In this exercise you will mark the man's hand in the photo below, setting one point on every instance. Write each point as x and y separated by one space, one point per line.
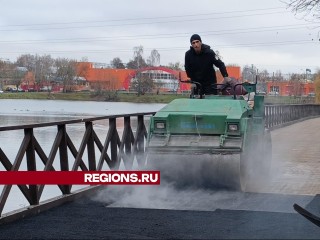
226 80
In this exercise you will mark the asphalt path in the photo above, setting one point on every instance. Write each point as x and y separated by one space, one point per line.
88 219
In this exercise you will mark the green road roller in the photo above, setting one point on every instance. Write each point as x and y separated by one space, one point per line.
213 141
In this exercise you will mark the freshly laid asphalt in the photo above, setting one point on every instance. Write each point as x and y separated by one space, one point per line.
88 219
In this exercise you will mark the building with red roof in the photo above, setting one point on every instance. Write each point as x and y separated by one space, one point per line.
120 79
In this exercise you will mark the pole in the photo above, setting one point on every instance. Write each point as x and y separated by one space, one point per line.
138 75
306 74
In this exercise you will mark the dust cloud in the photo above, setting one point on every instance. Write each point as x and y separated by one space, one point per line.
180 188
294 178
184 186
166 196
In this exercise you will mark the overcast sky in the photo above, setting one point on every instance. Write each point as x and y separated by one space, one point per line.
263 33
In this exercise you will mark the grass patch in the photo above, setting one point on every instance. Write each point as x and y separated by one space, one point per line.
91 96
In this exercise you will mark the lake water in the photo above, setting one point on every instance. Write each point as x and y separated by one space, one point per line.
67 109
17 112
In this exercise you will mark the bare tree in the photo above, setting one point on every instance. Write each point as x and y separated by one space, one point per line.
154 59
27 60
65 72
278 76
137 51
41 66
5 72
305 7
11 74
117 63
317 86
175 66
17 77
142 84
249 73
264 75
263 78
296 85
138 60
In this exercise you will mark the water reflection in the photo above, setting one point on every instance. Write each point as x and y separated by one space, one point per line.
71 109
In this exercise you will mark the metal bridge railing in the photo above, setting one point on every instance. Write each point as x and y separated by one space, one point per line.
278 115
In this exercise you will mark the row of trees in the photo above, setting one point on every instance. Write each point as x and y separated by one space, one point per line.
139 61
9 71
45 69
295 80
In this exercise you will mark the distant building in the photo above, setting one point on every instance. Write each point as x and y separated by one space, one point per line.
165 79
290 88
92 76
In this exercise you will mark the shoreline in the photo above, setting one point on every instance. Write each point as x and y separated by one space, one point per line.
91 96
133 97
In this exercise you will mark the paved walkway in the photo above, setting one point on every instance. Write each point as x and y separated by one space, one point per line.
119 213
296 159
93 220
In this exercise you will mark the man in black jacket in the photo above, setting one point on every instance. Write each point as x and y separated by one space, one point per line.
199 61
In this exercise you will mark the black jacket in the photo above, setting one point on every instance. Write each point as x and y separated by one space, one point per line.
199 67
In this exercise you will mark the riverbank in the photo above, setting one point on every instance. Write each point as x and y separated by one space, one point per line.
90 96
134 98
